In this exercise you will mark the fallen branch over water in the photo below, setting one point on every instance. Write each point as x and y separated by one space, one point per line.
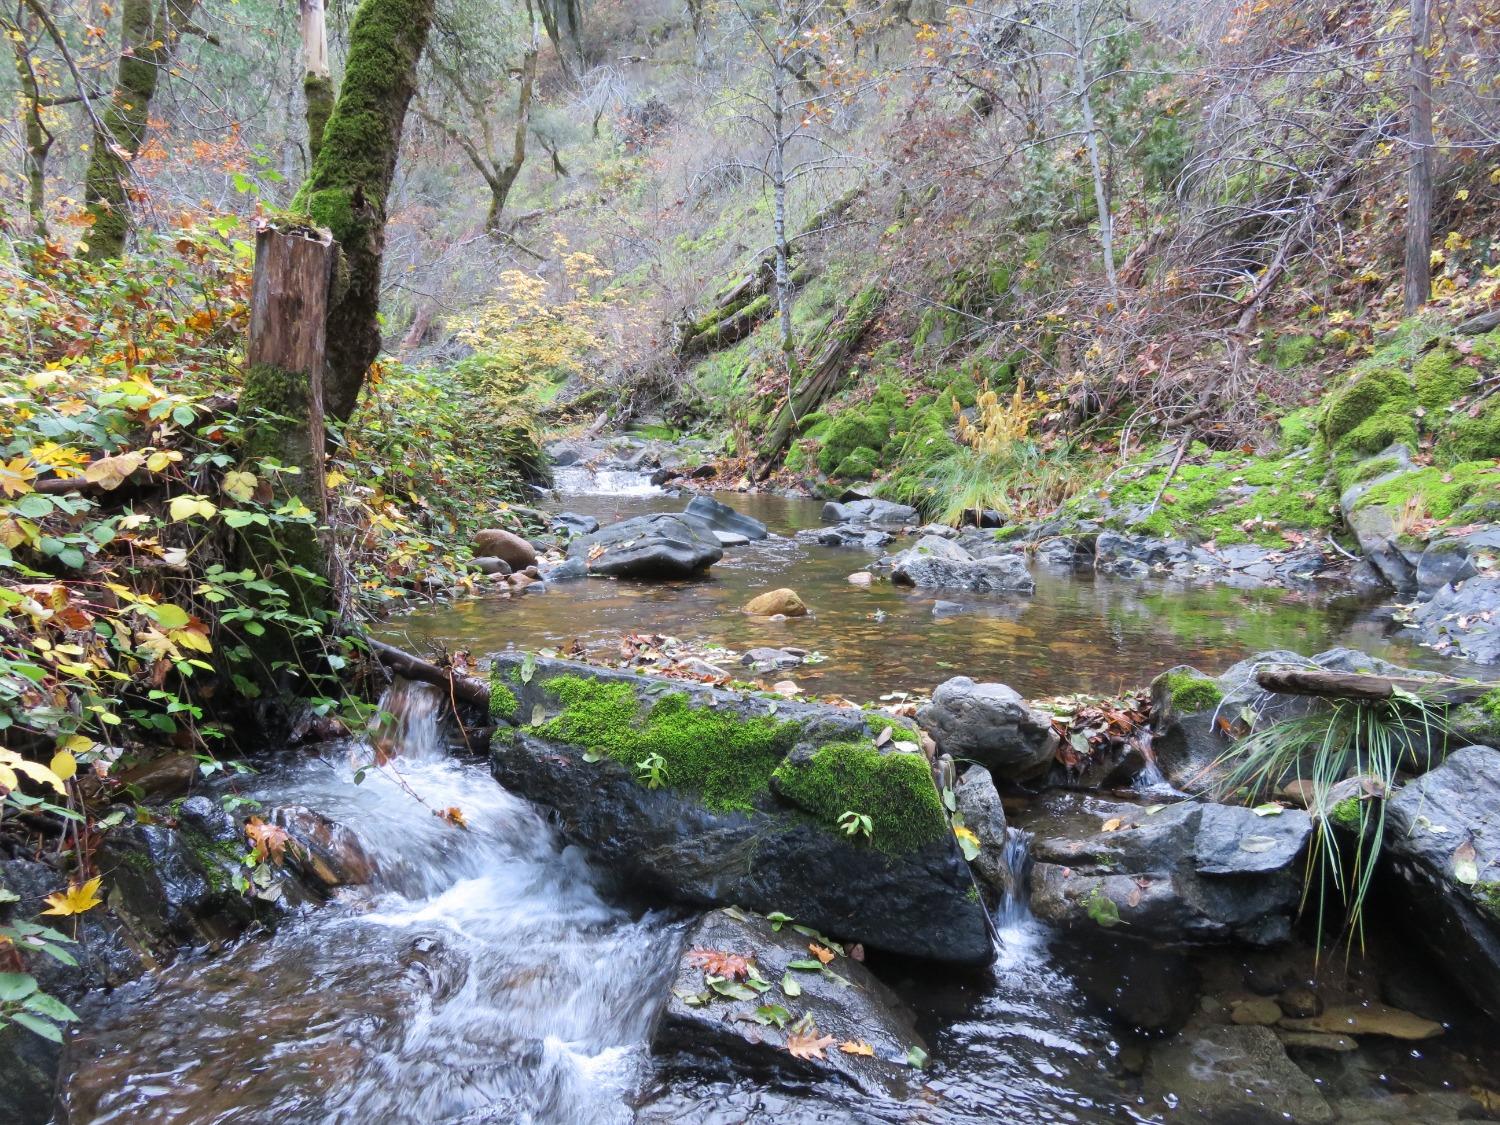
1355 685
466 689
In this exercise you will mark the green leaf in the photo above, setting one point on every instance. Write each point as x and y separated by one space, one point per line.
1103 909
768 1015
528 668
790 986
916 1057
42 1027
16 986
733 989
170 616
777 920
806 965
1270 808
51 1007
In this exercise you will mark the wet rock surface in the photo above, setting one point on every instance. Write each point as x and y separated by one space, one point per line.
990 724
867 511
846 535
720 517
934 563
659 547
842 1006
906 890
1443 857
1188 872
1232 1076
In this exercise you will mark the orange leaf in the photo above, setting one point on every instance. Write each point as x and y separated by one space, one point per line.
809 1045
823 955
717 963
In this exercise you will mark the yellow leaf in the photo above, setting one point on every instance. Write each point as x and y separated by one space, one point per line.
78 898
1113 824
12 763
966 834
334 478
110 472
240 485
161 459
185 507
857 1047
16 476
63 764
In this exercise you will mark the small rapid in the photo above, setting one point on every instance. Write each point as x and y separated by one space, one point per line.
482 977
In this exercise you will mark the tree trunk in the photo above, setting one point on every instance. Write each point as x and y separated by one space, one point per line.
282 401
149 34
317 83
351 180
503 179
1418 280
778 190
37 139
1091 142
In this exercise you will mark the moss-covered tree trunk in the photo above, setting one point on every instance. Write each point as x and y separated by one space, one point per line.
317 83
38 139
351 179
149 33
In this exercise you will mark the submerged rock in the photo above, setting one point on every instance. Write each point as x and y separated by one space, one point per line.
660 546
951 567
846 535
1232 1075
1442 849
715 516
714 797
760 660
1186 872
860 1031
990 724
867 511
574 524
783 601
326 853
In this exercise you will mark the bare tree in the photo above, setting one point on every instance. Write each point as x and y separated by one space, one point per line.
1417 289
317 83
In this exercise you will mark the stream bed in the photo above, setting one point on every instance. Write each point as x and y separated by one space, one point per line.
493 975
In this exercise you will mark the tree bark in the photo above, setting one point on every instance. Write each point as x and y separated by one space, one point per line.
38 140
282 401
317 83
1091 142
149 34
1353 685
1418 273
351 181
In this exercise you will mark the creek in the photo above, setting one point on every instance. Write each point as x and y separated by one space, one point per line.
493 975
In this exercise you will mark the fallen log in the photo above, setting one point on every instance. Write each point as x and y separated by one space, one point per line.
1367 688
465 689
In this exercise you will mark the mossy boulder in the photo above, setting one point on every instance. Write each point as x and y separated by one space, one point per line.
713 797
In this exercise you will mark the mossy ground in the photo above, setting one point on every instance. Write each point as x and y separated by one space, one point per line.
895 790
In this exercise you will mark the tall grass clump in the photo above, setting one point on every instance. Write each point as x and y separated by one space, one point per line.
1351 752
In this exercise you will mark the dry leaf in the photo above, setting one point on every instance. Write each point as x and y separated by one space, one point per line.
717 963
823 955
857 1047
270 840
809 1045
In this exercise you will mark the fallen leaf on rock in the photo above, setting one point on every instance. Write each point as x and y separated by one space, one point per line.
1465 864
78 898
809 1044
823 955
857 1047
718 963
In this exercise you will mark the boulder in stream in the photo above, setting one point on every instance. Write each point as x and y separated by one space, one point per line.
749 993
846 535
1191 872
1442 851
507 546
660 546
716 516
784 601
867 511
713 797
935 563
992 725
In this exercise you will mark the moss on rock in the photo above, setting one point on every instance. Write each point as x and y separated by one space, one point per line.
728 760
895 790
1189 693
503 702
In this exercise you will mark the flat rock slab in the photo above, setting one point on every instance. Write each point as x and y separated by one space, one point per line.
997 574
870 511
714 798
660 546
1367 1019
832 1015
846 535
718 516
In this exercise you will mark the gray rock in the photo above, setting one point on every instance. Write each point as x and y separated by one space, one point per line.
1463 620
770 660
1189 872
1430 822
574 524
717 516
698 1025
869 511
990 724
489 564
908 890
941 608
1231 1076
939 547
660 546
938 531
1451 559
846 535
928 570
1377 527
730 539
1065 553
496 542
565 571
979 803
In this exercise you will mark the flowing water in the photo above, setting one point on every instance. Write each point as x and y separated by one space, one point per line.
492 975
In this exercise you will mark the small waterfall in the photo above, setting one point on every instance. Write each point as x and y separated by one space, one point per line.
575 480
407 725
1021 936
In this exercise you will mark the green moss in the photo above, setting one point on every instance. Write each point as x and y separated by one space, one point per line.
1472 437
1478 721
1293 351
503 702
217 860
726 759
1346 812
861 464
1298 428
1462 493
1488 894
895 790
1189 693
